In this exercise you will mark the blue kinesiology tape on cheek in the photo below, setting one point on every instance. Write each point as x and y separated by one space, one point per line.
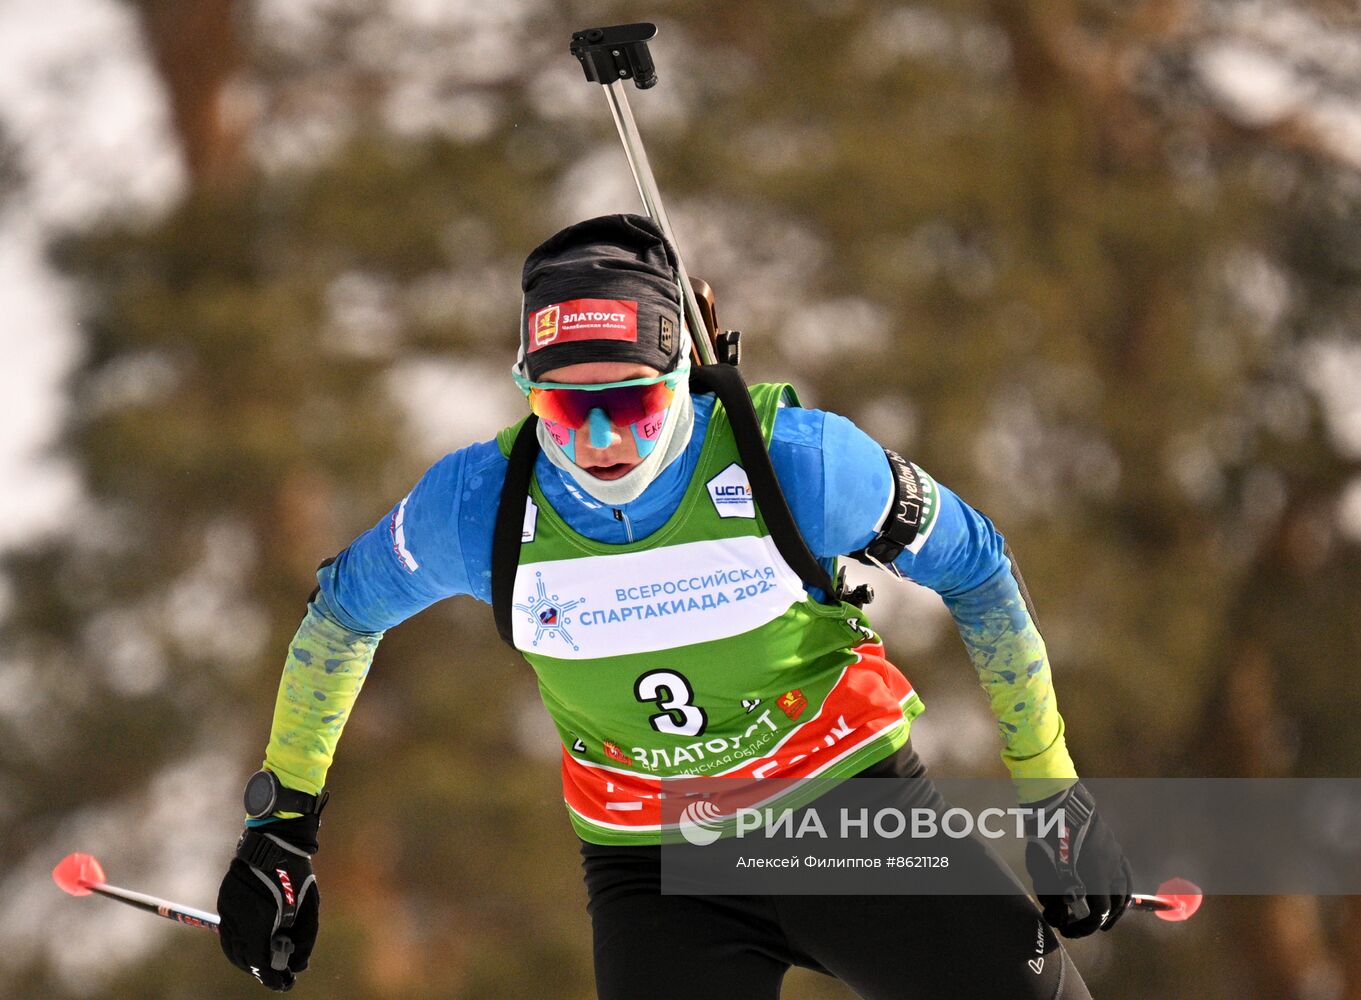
645 447
599 424
570 448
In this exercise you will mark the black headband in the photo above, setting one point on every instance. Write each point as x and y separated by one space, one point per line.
602 290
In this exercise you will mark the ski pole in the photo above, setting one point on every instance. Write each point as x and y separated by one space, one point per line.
610 56
1176 900
81 875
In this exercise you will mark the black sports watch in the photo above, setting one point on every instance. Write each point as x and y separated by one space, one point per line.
264 796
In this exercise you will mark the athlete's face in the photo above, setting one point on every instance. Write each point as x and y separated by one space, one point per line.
621 454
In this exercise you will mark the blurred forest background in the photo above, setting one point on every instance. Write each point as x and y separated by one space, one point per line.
1093 264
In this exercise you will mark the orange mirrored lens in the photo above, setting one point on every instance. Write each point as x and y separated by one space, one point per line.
624 404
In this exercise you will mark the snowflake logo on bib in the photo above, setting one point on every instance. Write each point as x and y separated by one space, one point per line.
548 613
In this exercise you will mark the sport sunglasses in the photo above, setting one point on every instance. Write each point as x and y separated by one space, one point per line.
625 403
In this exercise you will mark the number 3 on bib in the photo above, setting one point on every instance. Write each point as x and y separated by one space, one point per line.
672 694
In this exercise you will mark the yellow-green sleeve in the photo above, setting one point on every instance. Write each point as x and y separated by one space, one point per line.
1012 664
325 669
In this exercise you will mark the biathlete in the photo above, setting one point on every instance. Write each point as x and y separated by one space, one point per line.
636 568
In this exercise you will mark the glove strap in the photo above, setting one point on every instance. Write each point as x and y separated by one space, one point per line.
265 851
286 869
1078 807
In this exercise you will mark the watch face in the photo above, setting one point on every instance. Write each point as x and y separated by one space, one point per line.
260 794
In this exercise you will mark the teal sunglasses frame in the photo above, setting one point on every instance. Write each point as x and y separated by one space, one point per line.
671 378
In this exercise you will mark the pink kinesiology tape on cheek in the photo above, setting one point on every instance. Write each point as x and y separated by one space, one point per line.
649 427
560 434
563 437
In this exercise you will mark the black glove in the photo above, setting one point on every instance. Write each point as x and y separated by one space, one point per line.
269 902
1079 870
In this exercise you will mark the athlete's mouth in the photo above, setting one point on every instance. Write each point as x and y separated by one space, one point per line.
614 471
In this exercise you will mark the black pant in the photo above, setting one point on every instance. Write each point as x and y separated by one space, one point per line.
882 947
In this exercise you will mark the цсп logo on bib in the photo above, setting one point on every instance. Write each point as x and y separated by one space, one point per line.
700 822
730 491
548 613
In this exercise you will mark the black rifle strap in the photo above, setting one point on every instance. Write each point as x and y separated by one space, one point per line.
317 589
725 382
510 526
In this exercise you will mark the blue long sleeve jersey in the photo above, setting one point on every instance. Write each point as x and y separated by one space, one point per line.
437 542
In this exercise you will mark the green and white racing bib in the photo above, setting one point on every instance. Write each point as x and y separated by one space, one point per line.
695 652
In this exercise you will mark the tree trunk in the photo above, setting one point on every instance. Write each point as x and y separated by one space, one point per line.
197 51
